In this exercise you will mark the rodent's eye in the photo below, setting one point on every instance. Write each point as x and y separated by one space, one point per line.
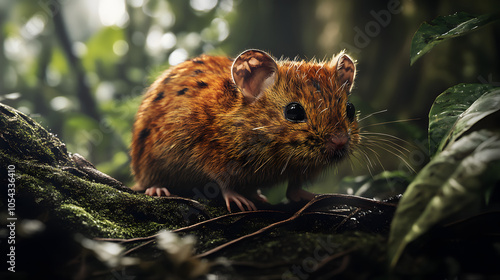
294 112
351 111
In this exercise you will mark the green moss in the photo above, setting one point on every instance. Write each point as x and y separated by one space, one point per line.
44 182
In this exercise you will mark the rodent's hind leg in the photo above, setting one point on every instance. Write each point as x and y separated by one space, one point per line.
152 191
238 199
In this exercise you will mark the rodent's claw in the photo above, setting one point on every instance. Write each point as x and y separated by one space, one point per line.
237 198
157 191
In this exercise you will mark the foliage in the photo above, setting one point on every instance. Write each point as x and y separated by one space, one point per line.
448 107
44 71
446 27
464 137
457 182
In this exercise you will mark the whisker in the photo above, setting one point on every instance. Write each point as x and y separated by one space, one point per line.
388 142
377 157
406 163
287 161
368 161
262 165
360 156
370 169
388 122
350 162
374 144
377 145
383 134
374 113
260 127
355 155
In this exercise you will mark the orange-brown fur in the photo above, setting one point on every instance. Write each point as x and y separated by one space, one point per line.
194 126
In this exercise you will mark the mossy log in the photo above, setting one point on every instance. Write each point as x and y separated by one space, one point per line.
330 236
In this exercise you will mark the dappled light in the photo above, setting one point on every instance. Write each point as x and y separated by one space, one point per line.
112 12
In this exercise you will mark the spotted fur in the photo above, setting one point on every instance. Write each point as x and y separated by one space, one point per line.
192 130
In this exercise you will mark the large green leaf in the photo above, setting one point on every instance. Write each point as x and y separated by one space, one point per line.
452 186
443 28
447 108
459 177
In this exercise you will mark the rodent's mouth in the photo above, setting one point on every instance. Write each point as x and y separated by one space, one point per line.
333 155
339 155
336 148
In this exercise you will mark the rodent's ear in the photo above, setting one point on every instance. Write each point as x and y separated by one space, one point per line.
253 72
346 70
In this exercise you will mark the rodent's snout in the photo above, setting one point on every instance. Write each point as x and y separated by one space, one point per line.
337 142
335 147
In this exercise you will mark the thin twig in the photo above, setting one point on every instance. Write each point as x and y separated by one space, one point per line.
188 228
264 229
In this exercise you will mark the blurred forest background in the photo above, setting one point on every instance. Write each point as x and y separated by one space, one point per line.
79 67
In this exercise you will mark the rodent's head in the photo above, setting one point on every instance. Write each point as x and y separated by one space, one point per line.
297 112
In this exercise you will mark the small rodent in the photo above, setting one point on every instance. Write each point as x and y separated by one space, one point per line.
244 124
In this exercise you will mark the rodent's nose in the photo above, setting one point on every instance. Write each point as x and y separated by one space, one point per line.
337 141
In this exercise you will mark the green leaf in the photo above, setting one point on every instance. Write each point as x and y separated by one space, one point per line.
447 108
485 107
452 186
456 182
443 28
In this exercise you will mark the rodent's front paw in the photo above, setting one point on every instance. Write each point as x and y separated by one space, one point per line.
232 196
157 191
